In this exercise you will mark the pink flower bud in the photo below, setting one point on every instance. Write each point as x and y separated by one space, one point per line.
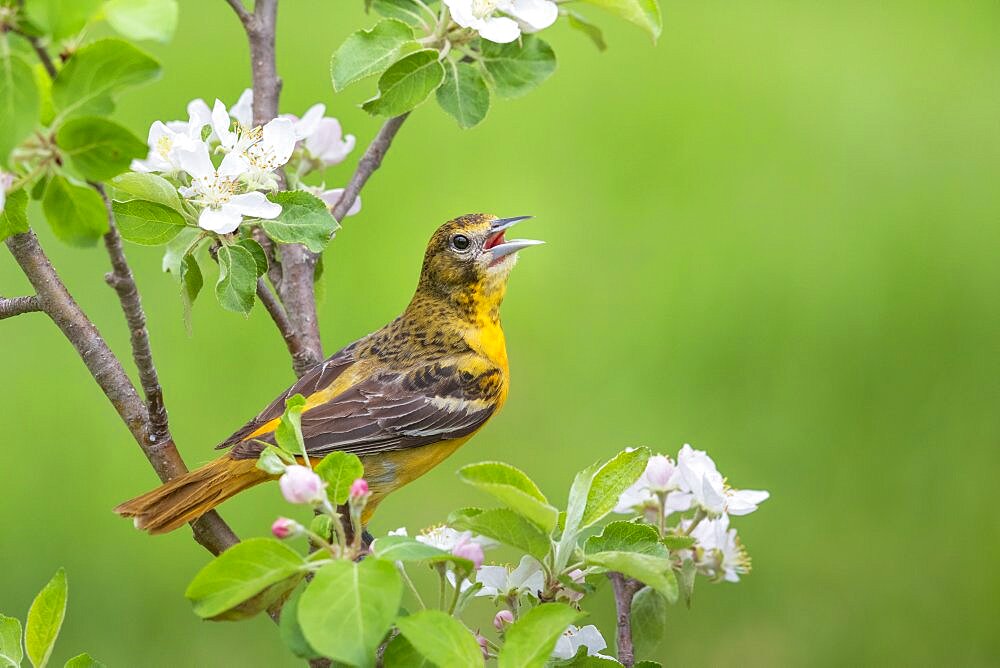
659 470
300 485
466 549
502 619
359 488
285 528
483 645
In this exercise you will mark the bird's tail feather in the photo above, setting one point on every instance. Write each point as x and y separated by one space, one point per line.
191 495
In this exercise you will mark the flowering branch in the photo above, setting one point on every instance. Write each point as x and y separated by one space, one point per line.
9 307
625 589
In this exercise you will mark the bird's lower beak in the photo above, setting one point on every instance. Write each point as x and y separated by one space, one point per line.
498 246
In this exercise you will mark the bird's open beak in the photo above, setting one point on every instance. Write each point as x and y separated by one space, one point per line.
498 246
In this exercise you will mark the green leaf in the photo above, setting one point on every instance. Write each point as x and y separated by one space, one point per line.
610 481
288 433
348 608
322 526
649 621
339 470
273 460
369 52
643 13
579 22
515 69
19 102
84 661
514 488
184 244
509 528
627 537
270 598
648 569
147 223
45 618
97 148
14 216
192 282
678 542
143 19
95 73
403 548
464 94
304 219
441 638
574 513
240 573
257 251
407 83
291 630
237 279
149 187
76 213
62 18
11 651
399 653
686 580
531 639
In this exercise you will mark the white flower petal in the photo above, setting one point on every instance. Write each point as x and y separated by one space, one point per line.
499 29
461 12
589 637
332 196
242 111
279 139
221 125
255 205
310 121
222 220
744 501
533 14
233 165
493 578
195 161
199 115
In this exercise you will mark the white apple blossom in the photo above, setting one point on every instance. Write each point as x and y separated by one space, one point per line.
262 149
527 578
721 553
217 190
573 638
327 144
707 489
401 531
661 475
520 15
242 111
332 196
445 538
167 139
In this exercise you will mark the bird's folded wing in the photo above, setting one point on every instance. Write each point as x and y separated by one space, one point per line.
318 378
397 410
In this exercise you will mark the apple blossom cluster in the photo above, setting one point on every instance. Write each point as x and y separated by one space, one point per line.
503 21
228 192
697 493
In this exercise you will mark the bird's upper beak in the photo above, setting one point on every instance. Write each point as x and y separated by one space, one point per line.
496 243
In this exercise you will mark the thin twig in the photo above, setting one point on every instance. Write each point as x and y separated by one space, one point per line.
278 315
9 307
237 5
625 589
41 52
370 161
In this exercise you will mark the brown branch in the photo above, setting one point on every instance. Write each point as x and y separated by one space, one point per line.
625 589
278 315
9 307
298 263
370 161
56 301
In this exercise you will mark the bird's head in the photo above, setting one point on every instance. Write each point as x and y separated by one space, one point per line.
468 259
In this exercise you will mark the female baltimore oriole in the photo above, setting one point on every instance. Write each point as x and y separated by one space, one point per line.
402 398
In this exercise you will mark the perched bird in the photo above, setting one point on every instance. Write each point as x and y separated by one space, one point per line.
402 398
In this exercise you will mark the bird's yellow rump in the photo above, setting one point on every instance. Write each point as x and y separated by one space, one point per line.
402 398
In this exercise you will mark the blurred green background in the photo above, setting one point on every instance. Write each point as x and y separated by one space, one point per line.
774 236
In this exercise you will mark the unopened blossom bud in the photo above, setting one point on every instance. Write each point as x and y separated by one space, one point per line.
285 528
502 619
483 645
659 470
466 549
300 485
359 488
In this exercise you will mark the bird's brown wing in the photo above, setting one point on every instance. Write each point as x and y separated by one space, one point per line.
397 410
319 377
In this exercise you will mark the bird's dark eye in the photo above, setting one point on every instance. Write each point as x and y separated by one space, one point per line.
460 242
